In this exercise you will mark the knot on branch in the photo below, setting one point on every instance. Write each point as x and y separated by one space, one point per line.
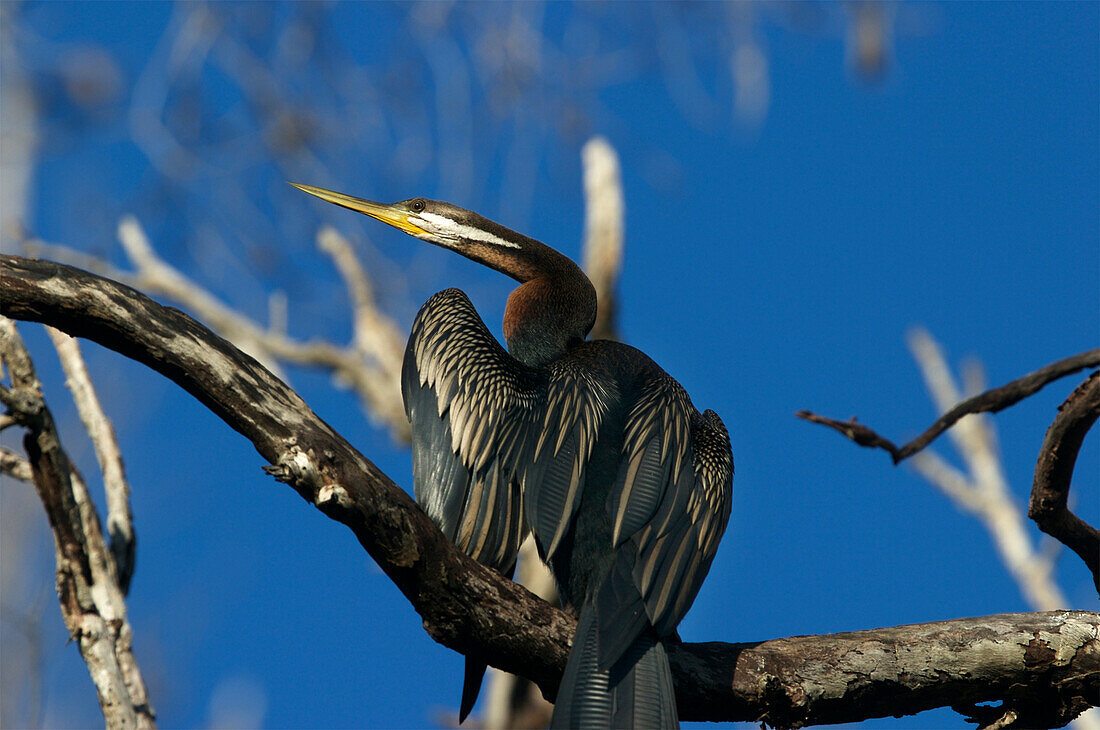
25 406
299 469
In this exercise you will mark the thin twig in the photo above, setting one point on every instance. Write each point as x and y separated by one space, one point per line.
990 401
377 338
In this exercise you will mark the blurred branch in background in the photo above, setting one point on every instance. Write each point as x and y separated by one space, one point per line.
982 489
371 365
602 256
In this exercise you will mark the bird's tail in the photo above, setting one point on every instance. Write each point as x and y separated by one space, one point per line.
471 686
636 692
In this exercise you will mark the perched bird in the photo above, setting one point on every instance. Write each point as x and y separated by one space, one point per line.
625 485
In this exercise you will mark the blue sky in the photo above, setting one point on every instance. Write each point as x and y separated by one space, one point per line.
769 268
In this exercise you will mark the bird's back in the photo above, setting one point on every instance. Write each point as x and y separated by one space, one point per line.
658 473
653 502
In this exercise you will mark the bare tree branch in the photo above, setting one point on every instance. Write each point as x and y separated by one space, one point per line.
990 401
1018 658
120 520
986 496
603 230
1049 505
92 603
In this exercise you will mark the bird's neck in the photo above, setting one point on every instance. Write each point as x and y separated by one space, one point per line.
553 309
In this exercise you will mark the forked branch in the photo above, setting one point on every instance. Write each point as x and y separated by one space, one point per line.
991 401
88 582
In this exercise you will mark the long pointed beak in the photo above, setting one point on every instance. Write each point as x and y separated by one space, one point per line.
392 214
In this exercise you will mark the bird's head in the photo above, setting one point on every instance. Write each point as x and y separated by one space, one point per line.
430 220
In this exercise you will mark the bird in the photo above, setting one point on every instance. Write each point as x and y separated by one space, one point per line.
588 444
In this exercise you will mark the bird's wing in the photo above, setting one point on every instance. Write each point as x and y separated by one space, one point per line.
668 510
577 400
675 551
472 407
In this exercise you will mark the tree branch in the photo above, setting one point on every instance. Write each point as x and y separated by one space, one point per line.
1049 505
1019 658
991 401
92 601
120 520
603 231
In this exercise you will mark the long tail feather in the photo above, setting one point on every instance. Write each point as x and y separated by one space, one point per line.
636 693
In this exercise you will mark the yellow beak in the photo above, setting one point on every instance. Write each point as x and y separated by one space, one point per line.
392 214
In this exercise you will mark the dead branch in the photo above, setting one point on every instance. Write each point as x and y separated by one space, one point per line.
120 520
603 231
92 602
1049 505
1052 658
14 465
991 401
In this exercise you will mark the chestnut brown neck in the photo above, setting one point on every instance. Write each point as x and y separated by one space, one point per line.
553 309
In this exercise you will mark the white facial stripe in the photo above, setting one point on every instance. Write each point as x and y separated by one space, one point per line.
446 227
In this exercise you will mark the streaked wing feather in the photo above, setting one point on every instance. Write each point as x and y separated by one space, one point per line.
577 400
674 554
471 406
668 507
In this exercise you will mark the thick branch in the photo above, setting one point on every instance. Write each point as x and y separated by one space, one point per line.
849 677
786 682
990 401
1049 505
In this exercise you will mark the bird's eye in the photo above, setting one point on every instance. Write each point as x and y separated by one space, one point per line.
417 206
